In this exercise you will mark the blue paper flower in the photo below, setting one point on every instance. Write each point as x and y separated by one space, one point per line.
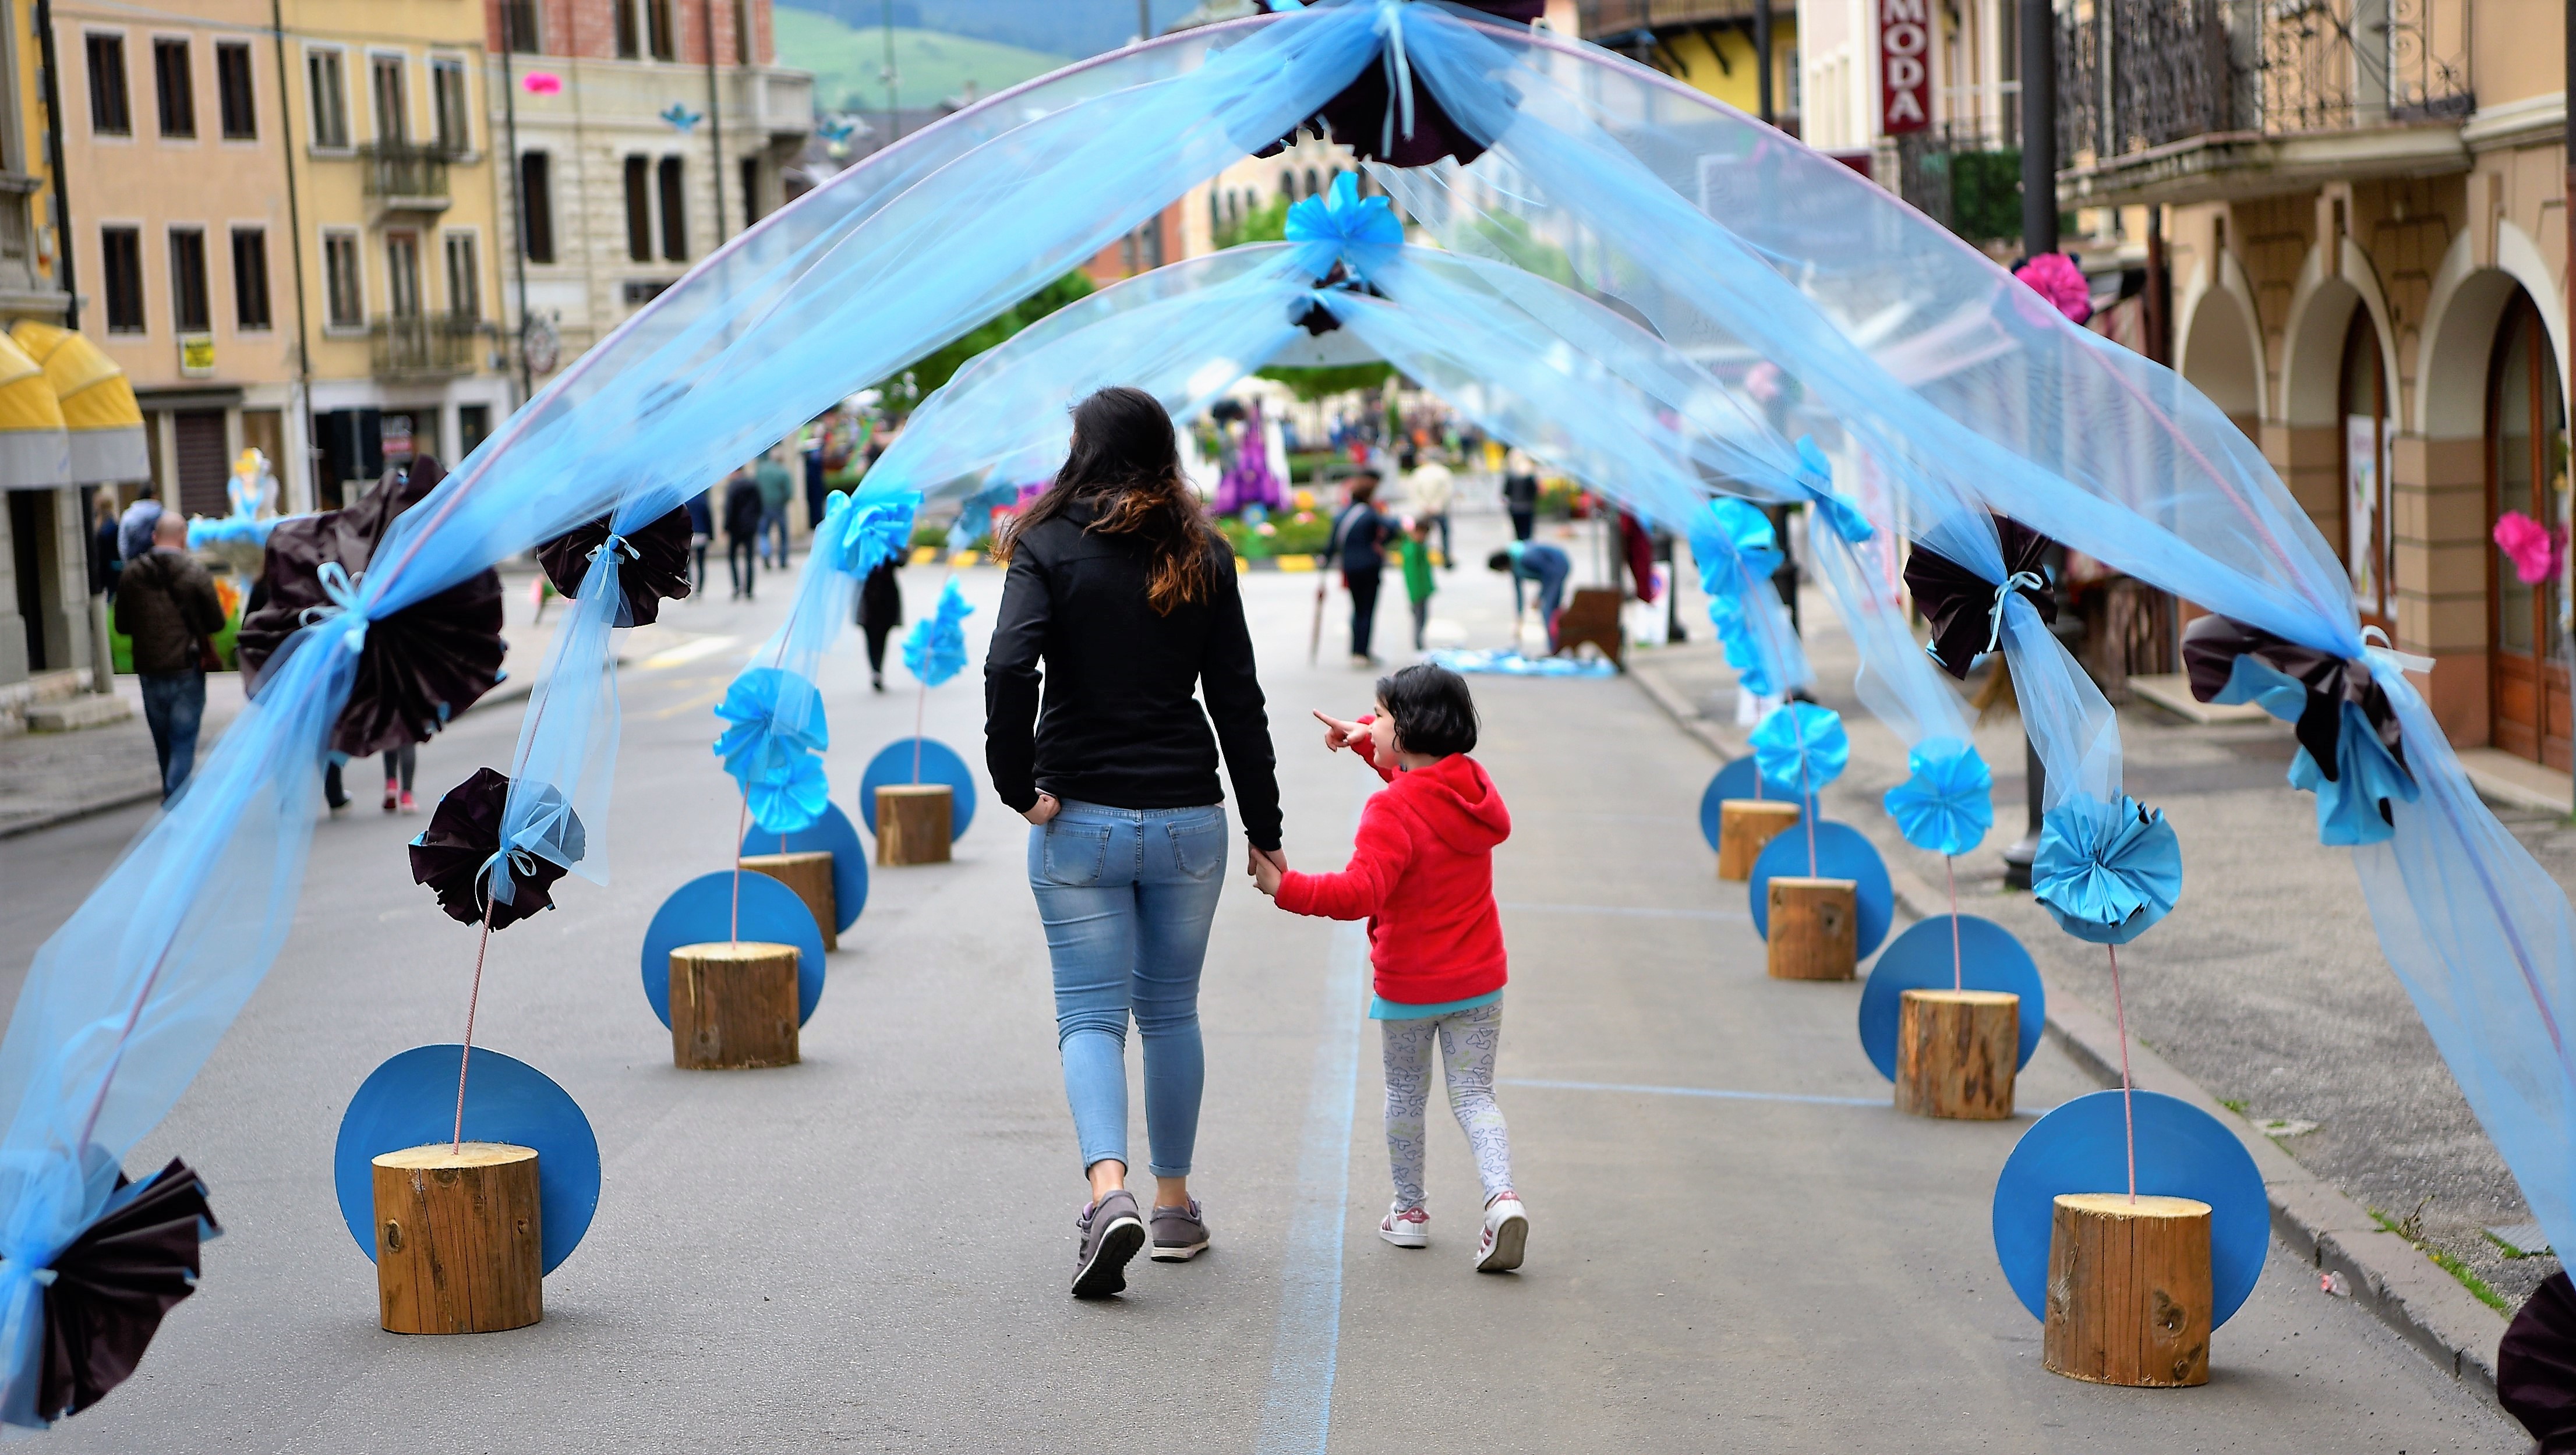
1737 552
2106 872
1816 476
1800 748
935 649
1947 806
1360 231
773 747
872 534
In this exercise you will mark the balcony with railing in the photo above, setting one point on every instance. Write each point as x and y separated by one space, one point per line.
424 346
406 176
2201 100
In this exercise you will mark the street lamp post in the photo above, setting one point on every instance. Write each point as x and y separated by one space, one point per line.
2038 236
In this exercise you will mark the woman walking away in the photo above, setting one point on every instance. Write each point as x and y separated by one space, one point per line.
880 612
742 532
1120 589
1422 875
1359 547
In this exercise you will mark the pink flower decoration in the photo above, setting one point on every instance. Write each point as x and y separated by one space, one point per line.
2536 551
541 83
1762 381
2055 277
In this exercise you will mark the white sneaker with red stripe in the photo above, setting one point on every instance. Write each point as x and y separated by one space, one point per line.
1506 1235
1406 1227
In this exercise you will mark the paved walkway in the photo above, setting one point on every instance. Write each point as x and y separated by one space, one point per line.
869 1251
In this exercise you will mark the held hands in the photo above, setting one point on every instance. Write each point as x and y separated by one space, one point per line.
1044 809
1339 734
1265 866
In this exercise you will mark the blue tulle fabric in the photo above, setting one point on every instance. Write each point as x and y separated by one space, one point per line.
935 649
1612 206
2106 872
1946 803
2365 775
1800 747
773 746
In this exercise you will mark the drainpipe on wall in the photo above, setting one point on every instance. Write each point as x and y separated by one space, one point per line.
2038 235
295 245
54 159
715 110
518 197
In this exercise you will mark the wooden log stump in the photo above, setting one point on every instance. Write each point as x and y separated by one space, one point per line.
1744 825
733 1005
1815 928
459 1244
1956 1052
912 823
810 875
2128 1290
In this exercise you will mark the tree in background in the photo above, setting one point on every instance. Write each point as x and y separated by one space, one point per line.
915 381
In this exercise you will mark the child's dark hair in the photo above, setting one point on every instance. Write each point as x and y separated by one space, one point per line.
1433 711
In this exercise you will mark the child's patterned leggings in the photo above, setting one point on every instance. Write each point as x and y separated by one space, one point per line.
1468 1039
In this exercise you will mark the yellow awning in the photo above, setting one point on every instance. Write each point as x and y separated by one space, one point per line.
34 452
98 409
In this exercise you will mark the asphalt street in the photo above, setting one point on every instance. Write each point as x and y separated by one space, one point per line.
870 1250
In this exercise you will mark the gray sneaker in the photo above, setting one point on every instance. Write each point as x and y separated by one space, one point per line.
1180 1233
1111 1233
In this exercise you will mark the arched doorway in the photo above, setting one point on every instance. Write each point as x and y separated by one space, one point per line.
2526 472
2365 441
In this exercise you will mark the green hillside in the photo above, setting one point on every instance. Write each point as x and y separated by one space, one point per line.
848 64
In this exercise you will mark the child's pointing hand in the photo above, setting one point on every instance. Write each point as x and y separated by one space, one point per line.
1339 734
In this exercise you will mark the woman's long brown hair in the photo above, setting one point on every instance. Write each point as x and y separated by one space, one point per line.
1124 461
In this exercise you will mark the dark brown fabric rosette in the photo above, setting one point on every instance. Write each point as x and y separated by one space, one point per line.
453 856
2211 645
419 666
115 1283
1960 604
653 569
2536 1366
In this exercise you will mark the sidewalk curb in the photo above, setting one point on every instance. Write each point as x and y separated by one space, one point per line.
2314 1218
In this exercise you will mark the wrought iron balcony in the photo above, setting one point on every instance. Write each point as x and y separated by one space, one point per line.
425 346
406 175
2183 100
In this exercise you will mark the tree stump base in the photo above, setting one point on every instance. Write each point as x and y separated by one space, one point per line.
733 1006
1744 825
810 875
2128 1290
1815 928
912 823
459 1242
1956 1052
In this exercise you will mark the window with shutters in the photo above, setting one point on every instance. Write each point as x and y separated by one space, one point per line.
537 207
629 26
344 289
675 211
662 36
110 112
188 310
236 102
385 84
464 277
447 89
639 209
402 274
250 278
121 277
174 88
329 85
750 191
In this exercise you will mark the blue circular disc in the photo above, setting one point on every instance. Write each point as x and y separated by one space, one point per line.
831 834
939 764
1842 852
410 1101
701 911
2182 1152
1989 958
1735 780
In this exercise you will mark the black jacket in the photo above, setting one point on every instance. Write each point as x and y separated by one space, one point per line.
1360 535
742 508
166 602
1120 726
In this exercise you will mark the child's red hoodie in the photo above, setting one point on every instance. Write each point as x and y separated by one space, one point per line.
1422 875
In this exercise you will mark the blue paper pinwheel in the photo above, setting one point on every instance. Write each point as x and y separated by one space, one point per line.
1800 748
1947 806
2106 872
1736 549
1816 477
1359 231
935 649
875 533
773 745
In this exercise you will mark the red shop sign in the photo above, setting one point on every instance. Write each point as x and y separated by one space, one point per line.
1904 66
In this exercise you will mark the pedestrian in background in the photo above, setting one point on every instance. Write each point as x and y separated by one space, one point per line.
166 604
1520 493
400 764
1428 489
880 612
1414 551
777 492
134 530
105 560
1359 547
742 531
1545 565
1119 587
702 529
1422 874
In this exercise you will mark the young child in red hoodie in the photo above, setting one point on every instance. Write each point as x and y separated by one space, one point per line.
1422 875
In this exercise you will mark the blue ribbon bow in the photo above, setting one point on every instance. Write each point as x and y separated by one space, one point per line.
1360 231
773 747
2017 581
342 588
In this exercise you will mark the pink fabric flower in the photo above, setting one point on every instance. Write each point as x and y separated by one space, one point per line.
2536 551
541 83
2055 277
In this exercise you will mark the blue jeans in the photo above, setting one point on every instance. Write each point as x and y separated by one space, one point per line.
773 522
1126 895
173 704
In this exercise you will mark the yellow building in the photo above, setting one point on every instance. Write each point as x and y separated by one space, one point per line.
1708 44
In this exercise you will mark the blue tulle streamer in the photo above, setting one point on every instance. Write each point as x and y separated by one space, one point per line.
1800 747
975 514
1360 231
1945 805
772 745
935 648
2106 872
1816 477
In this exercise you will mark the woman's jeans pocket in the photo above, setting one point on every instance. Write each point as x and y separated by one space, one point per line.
1198 846
1073 854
